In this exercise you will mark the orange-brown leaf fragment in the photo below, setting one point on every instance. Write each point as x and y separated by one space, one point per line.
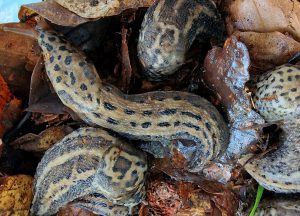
17 50
15 195
270 49
10 108
101 8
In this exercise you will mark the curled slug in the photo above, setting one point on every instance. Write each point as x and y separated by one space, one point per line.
169 29
89 161
154 116
277 97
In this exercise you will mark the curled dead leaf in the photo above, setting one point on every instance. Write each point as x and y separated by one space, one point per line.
53 12
70 210
101 8
15 195
264 16
43 141
268 50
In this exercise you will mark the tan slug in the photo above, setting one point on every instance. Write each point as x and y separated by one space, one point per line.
154 116
277 97
169 29
88 161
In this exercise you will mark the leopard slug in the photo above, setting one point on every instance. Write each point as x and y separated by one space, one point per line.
87 161
277 97
153 116
100 205
169 29
276 93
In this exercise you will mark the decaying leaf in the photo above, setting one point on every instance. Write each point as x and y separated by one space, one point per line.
182 198
53 12
264 16
50 119
10 108
16 50
15 195
268 50
43 141
226 74
101 8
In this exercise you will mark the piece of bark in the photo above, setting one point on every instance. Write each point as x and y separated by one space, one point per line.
226 72
268 50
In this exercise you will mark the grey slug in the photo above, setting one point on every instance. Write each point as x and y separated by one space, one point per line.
277 97
169 29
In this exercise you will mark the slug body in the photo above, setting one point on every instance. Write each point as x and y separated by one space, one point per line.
277 93
277 97
100 205
89 161
169 29
155 116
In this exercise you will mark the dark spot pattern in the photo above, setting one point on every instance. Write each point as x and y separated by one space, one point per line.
177 123
112 121
68 60
190 125
168 112
163 124
109 106
58 79
56 67
62 48
147 113
133 124
293 89
51 59
192 115
48 47
83 87
73 79
146 124
129 112
94 3
290 78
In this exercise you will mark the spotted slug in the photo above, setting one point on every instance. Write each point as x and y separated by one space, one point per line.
88 161
277 97
169 29
276 93
153 116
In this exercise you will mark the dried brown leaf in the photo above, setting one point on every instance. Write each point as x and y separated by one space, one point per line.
102 8
15 195
16 50
43 141
268 50
264 16
226 72
53 12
